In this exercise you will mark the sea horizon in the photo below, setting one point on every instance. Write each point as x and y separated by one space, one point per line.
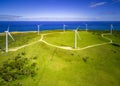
56 25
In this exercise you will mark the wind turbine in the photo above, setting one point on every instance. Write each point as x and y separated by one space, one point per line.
111 29
8 33
38 29
64 27
86 27
76 37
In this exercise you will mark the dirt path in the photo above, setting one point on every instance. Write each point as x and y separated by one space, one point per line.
70 48
17 48
63 47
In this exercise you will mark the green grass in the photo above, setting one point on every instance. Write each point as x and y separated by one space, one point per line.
58 67
115 38
20 39
67 39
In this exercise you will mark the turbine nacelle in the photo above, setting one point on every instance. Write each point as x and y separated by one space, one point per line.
8 33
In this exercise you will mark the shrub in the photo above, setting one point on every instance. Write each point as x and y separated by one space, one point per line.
17 57
114 44
23 53
114 51
7 78
72 54
33 64
18 84
33 73
35 57
85 59
2 82
17 68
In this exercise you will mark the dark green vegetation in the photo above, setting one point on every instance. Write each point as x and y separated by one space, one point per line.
17 68
96 66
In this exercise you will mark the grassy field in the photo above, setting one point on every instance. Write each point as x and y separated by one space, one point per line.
20 39
67 39
96 66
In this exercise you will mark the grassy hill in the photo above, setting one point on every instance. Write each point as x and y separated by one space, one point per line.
95 66
67 39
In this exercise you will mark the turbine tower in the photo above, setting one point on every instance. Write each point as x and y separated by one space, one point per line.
8 33
76 37
64 27
38 29
111 29
86 27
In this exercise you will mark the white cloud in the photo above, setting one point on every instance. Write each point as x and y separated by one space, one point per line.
61 19
9 17
97 4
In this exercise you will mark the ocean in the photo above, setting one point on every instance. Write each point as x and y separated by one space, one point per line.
55 25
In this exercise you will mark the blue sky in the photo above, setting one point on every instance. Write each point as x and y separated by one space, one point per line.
59 10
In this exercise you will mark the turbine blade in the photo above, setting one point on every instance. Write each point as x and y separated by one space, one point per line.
77 28
11 36
78 35
112 26
8 28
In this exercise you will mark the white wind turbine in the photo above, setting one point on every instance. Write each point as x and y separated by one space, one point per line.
8 33
64 27
86 27
76 37
38 29
111 29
